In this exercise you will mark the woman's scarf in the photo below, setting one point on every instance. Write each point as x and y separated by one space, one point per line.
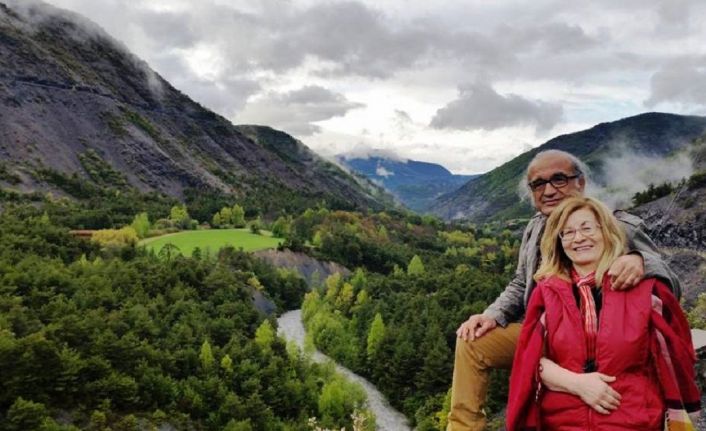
589 314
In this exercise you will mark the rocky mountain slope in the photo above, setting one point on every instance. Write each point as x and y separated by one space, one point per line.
73 100
416 184
494 195
677 223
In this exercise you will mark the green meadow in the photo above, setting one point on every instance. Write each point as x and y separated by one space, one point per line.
212 240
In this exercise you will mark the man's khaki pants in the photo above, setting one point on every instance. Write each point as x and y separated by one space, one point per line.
472 365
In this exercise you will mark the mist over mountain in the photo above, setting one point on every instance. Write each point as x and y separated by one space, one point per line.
624 157
74 100
416 184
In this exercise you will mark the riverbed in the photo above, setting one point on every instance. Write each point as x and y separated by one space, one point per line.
386 417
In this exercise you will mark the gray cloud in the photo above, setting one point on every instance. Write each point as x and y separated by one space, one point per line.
297 111
479 106
553 37
682 81
594 58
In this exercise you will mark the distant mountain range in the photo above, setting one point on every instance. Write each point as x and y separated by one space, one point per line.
416 184
494 195
73 100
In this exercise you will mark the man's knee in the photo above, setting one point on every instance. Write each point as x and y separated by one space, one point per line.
468 354
493 350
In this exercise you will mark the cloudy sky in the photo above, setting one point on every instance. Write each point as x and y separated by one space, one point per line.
468 84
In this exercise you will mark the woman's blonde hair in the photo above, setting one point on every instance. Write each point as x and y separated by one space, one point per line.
554 259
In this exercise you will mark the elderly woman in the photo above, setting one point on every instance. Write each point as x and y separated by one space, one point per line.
589 357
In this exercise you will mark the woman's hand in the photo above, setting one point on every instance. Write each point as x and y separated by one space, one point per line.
594 390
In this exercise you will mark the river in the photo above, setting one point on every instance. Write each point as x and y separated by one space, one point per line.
386 418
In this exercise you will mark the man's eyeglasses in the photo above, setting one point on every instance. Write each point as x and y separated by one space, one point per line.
558 181
587 229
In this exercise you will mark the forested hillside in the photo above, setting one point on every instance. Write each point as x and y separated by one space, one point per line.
394 319
123 340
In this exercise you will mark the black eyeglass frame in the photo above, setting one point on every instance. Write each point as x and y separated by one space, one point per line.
559 181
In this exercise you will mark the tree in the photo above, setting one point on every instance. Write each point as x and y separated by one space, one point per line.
697 315
227 365
338 400
169 251
375 336
344 299
265 336
217 220
115 238
206 357
141 224
359 281
25 415
180 216
226 215
415 267
238 216
281 227
435 373
255 225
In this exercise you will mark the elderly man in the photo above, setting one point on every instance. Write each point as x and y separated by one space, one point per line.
486 341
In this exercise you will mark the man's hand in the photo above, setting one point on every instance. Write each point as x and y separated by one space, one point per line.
475 327
594 390
626 271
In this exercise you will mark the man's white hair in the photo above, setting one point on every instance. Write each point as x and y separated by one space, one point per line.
523 188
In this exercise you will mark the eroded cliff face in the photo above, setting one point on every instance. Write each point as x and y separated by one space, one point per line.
67 88
312 270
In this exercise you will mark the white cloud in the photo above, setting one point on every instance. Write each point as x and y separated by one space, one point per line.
391 68
382 172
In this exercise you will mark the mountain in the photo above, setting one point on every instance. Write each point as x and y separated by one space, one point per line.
652 135
677 223
74 100
416 184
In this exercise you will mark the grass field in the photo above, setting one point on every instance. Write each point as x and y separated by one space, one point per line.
213 240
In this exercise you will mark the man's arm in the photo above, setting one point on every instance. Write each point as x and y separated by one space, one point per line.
640 243
508 307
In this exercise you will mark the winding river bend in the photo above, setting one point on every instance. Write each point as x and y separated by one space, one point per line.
386 418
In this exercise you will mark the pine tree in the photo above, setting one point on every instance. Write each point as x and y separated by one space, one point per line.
415 267
206 357
375 336
227 365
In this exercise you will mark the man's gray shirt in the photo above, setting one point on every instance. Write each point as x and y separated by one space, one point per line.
510 305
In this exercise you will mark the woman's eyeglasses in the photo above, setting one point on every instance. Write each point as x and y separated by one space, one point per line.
587 229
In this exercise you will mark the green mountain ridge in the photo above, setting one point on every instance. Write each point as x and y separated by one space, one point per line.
494 194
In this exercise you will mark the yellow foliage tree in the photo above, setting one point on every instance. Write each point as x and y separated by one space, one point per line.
116 238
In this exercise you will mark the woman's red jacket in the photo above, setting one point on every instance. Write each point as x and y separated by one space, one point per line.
625 349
